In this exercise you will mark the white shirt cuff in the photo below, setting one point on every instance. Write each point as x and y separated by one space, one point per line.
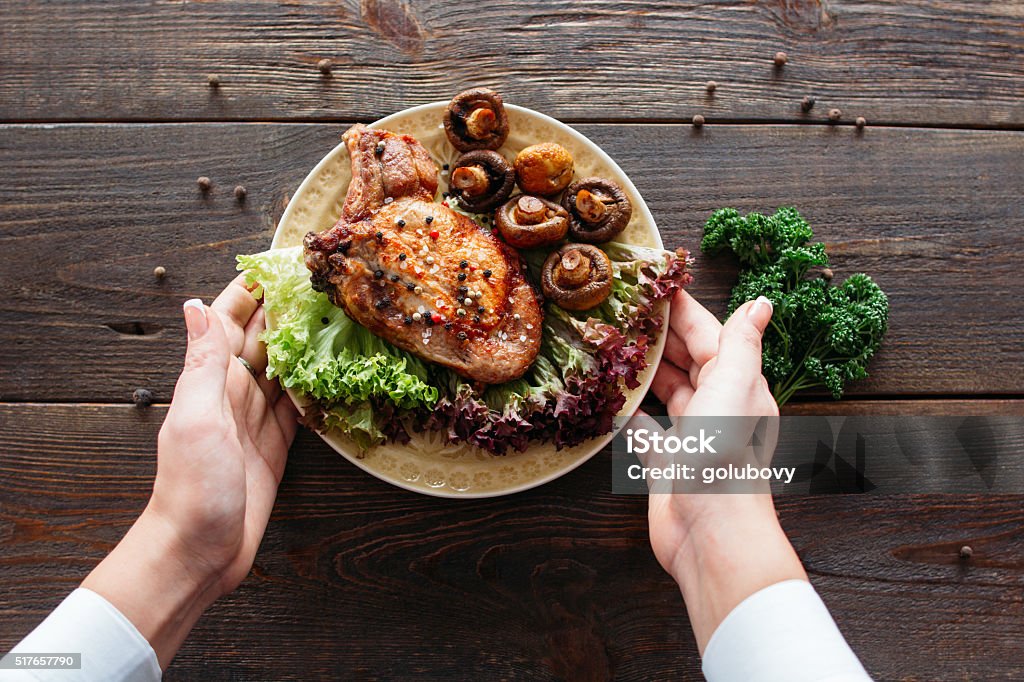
782 633
112 648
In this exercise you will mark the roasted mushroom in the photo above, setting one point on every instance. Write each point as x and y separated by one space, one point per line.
476 119
577 276
598 208
527 222
481 180
544 169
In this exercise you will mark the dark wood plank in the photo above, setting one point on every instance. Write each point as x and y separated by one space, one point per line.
811 405
931 61
359 579
939 408
87 212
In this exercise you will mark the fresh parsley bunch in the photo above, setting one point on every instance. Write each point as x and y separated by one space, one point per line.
821 334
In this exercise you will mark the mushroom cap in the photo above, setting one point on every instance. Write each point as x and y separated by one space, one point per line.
523 234
596 287
462 107
501 180
617 210
544 168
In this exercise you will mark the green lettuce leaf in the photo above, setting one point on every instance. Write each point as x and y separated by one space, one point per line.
317 349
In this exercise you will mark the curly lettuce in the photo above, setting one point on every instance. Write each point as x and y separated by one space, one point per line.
315 348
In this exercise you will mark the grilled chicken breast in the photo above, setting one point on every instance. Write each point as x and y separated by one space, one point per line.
418 274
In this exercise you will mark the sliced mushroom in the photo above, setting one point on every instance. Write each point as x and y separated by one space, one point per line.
527 222
577 277
599 210
481 180
544 168
476 119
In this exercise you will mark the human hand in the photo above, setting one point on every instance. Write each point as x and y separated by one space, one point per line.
221 453
223 446
720 548
713 370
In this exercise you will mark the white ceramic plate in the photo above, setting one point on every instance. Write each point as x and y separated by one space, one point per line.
427 464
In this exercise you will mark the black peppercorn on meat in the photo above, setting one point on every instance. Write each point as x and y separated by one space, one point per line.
393 185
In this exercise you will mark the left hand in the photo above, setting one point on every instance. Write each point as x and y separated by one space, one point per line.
223 446
220 456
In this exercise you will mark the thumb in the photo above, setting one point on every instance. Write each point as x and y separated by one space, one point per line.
207 357
739 343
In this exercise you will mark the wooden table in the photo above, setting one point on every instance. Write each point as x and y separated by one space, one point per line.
108 119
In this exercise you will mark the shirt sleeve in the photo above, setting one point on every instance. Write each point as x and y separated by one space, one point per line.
782 633
112 648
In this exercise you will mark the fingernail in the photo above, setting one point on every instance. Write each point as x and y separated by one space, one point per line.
195 318
759 305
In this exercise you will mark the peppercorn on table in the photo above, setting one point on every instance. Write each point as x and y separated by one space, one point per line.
144 145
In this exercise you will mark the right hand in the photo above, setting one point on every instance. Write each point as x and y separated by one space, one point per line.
712 370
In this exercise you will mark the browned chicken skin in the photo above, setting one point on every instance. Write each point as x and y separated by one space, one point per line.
423 277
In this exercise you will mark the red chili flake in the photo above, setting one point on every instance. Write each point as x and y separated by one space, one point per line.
435 318
434 234
444 203
472 267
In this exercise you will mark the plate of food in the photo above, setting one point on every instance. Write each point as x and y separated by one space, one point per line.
463 296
